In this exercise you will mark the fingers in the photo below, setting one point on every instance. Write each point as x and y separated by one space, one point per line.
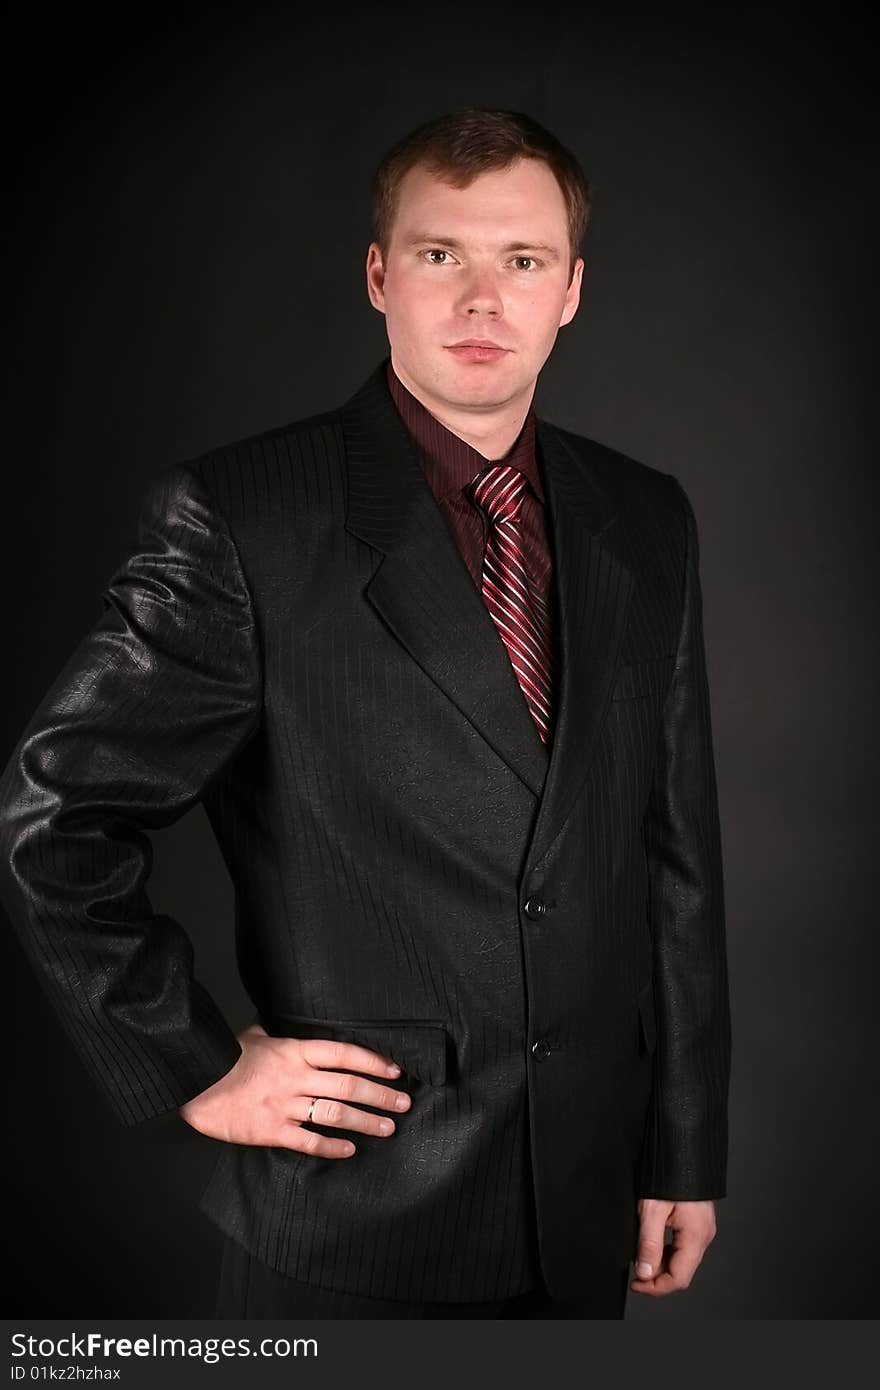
688 1249
325 1052
334 1097
351 1089
265 1098
326 1111
693 1226
676 1269
653 1216
308 1141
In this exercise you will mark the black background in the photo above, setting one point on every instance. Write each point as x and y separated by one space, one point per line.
189 219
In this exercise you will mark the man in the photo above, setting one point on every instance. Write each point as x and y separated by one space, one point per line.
436 670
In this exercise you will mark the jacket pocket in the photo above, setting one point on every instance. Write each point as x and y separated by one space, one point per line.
418 1045
639 678
647 1019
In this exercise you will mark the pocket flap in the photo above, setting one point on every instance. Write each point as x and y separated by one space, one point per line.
647 1020
417 1045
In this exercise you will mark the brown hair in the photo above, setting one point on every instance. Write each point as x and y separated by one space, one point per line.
463 144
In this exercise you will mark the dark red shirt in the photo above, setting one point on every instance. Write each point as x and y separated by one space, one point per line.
450 464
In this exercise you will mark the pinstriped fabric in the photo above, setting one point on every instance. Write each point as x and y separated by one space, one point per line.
294 641
520 616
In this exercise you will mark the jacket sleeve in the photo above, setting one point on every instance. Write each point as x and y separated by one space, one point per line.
685 1149
152 705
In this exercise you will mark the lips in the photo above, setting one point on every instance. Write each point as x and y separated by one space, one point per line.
475 350
479 342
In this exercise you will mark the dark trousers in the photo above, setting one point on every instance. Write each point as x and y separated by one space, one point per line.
250 1289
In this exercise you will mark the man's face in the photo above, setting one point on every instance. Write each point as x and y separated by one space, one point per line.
488 262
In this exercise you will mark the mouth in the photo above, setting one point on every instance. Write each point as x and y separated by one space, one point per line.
477 350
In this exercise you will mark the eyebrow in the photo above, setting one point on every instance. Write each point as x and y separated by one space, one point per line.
512 246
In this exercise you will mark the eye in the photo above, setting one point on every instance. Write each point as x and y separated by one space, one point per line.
533 262
436 251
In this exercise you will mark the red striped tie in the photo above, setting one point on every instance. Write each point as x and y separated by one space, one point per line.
519 613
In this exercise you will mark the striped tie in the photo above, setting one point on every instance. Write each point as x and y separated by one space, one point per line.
518 612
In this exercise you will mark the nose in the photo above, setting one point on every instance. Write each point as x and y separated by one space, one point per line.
480 295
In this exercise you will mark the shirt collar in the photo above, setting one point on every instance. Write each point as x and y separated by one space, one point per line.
449 462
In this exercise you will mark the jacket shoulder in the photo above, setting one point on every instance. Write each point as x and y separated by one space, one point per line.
295 434
641 493
268 468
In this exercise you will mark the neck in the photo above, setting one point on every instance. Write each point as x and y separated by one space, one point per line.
492 432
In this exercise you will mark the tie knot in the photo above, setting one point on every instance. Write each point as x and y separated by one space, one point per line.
498 491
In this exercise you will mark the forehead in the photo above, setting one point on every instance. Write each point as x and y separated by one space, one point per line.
523 201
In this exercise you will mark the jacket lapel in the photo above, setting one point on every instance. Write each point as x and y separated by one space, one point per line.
594 579
422 590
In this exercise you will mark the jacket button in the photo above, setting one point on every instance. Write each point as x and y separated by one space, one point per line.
535 907
541 1050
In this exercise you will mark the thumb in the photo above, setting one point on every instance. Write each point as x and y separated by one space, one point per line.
651 1234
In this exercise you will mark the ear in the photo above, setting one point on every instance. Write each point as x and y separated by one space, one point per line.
376 276
573 293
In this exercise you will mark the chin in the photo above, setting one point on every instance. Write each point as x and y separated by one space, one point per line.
480 377
496 389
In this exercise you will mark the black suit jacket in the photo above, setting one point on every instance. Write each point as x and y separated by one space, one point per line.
536 937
